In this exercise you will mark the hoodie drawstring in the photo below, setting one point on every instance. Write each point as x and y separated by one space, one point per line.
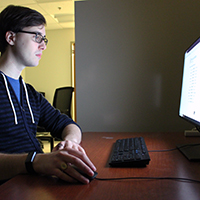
9 96
11 102
27 99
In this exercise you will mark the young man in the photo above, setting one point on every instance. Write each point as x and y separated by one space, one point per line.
22 40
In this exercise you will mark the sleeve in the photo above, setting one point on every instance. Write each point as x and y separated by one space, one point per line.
52 119
49 117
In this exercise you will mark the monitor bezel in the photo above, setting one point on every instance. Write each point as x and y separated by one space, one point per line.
188 119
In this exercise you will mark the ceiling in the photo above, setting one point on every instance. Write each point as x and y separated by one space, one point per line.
59 14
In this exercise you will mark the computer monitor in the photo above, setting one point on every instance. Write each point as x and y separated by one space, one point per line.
190 95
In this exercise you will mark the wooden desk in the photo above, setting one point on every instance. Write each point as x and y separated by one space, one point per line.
98 147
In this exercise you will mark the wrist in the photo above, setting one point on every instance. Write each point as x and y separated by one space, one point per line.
29 162
72 133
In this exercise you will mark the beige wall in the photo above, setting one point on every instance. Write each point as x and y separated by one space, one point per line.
54 69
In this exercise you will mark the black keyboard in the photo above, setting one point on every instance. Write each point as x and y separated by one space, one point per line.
130 152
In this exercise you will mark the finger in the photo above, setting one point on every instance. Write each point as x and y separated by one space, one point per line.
74 160
69 144
74 174
81 149
79 159
59 146
64 176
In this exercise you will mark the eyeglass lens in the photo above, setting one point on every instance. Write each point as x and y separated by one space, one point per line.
39 38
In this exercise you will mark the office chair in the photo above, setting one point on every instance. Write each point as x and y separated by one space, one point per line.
63 99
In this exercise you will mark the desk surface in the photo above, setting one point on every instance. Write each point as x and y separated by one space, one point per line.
98 147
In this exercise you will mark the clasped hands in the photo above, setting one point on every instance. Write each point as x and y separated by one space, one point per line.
59 162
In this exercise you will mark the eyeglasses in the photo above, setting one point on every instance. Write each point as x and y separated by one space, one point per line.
38 37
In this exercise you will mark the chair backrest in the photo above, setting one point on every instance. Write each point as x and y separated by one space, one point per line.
63 99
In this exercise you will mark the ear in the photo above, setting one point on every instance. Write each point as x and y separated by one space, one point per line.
10 37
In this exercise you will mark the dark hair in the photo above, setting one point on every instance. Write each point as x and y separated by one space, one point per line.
15 18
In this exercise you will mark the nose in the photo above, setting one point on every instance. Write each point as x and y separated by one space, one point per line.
42 46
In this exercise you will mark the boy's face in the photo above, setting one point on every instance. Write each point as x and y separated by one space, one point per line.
26 50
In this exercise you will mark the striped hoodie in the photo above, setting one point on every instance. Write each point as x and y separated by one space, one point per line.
19 120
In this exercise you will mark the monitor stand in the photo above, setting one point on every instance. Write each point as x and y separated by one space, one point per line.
191 133
190 151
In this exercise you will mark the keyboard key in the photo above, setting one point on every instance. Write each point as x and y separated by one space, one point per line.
130 152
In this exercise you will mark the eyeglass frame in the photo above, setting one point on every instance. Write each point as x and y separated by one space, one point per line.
36 35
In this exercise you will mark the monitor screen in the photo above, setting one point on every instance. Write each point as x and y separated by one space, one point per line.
190 97
190 92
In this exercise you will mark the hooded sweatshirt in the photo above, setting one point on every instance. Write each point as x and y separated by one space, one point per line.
19 119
